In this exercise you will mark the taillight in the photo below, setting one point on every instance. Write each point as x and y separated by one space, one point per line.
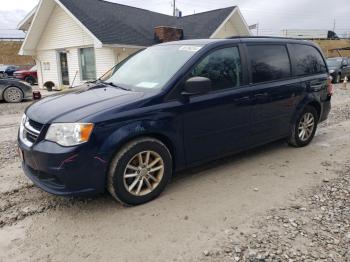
330 86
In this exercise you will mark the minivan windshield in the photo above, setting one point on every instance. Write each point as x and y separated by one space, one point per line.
335 62
150 69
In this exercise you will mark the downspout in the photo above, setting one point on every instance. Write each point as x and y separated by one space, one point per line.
41 72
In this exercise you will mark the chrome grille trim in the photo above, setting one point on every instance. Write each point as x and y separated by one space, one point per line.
26 129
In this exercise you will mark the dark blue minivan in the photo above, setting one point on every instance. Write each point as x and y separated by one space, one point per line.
170 107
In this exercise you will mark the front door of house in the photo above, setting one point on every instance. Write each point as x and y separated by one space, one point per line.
63 63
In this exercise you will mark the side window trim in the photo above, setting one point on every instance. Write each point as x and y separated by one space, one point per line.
249 65
200 59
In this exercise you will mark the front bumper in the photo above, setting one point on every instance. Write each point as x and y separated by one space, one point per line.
74 171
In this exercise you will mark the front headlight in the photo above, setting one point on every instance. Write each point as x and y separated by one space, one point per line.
69 134
23 120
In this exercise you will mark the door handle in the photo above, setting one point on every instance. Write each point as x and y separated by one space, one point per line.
260 95
316 86
241 100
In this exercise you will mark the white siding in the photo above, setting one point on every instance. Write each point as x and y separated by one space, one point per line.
235 26
121 53
74 67
62 31
105 60
44 75
227 30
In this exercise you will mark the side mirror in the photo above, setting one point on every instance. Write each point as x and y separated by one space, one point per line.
344 63
197 86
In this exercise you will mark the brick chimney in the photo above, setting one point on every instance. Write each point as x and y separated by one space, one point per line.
164 34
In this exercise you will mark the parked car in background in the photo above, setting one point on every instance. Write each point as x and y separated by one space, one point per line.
339 67
14 91
170 107
30 76
7 70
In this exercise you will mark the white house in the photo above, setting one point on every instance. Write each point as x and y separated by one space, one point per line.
78 41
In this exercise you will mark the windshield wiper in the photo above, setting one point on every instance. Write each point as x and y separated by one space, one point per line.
114 85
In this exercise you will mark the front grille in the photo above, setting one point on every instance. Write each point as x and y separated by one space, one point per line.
35 125
31 137
30 131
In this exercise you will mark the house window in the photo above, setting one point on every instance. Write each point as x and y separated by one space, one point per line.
46 66
87 64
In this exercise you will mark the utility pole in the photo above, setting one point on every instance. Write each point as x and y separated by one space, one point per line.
174 7
334 25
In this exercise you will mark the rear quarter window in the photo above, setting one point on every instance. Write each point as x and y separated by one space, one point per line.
307 60
269 62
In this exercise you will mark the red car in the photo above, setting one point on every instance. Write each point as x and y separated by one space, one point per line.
30 76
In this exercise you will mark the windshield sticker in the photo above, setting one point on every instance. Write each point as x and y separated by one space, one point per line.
147 85
190 48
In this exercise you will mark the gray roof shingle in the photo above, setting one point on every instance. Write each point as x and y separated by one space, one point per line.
114 23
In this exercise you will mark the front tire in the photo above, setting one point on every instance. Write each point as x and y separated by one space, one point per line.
304 128
338 79
140 171
13 94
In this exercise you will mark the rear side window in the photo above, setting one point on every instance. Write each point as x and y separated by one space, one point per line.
307 60
222 67
269 62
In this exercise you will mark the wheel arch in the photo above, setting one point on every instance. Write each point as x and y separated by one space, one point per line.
115 147
317 106
309 100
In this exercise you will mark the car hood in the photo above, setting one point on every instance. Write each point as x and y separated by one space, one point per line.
21 72
76 104
333 68
13 81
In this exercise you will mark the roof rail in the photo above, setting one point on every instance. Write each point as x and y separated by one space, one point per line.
272 37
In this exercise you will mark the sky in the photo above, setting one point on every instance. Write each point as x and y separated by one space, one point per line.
272 15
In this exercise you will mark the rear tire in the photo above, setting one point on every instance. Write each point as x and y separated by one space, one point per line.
13 94
304 128
140 171
30 80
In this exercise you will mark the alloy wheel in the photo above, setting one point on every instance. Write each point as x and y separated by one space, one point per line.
13 94
143 173
306 126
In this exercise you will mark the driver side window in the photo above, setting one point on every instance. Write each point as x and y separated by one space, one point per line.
222 67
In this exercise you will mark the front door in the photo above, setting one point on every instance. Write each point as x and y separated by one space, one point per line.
217 123
63 63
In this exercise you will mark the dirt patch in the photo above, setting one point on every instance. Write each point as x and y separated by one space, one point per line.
29 200
10 109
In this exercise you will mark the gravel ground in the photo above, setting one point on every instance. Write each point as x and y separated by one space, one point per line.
315 228
338 114
8 152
